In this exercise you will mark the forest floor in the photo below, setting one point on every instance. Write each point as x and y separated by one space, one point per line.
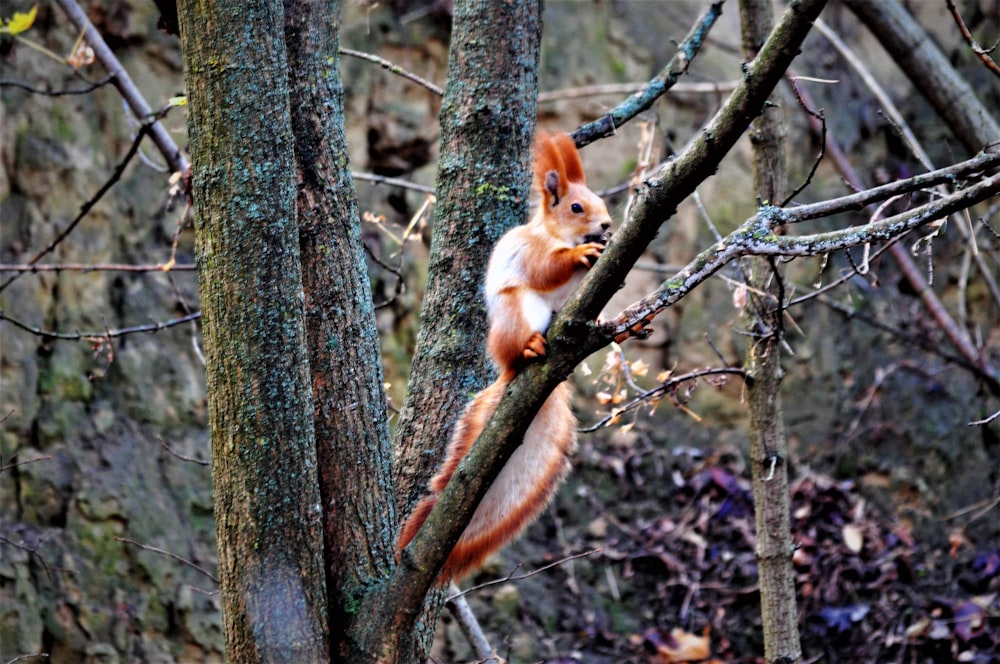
672 574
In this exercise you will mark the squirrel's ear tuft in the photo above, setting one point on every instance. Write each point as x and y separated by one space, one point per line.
572 165
552 186
549 170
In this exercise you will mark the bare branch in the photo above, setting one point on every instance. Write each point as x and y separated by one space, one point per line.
142 110
94 267
395 182
47 457
517 577
21 658
174 556
756 237
980 52
607 124
470 626
87 206
182 457
59 93
394 68
150 328
658 392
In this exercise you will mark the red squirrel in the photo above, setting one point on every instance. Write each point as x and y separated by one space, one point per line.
531 273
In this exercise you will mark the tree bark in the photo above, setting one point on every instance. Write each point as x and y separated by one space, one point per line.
350 416
762 317
260 407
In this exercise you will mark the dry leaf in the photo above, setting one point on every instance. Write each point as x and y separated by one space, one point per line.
853 539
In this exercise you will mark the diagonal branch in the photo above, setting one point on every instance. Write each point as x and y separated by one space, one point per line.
654 89
133 97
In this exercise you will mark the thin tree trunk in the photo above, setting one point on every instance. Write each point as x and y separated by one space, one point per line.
763 318
260 407
351 422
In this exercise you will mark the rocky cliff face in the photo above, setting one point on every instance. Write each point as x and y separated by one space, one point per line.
106 527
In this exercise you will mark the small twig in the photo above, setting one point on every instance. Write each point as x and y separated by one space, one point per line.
658 392
518 577
22 463
821 119
395 182
200 462
151 328
94 267
59 93
87 206
986 420
844 278
394 68
980 52
21 658
174 556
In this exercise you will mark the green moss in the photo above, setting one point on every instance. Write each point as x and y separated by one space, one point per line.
500 193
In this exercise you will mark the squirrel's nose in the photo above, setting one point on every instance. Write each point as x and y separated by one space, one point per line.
605 225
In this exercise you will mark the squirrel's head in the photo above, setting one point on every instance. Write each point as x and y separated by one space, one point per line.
570 209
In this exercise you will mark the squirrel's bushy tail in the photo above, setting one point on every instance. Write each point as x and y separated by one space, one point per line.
521 490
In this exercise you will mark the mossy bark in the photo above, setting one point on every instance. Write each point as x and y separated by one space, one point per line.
267 503
351 421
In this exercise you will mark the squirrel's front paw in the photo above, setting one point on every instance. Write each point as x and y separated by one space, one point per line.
589 252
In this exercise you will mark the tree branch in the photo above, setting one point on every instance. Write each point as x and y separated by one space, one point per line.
654 89
755 237
142 110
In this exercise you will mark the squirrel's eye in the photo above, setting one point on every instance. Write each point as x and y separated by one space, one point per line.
576 208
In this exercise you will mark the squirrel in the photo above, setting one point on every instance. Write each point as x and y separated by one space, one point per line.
532 272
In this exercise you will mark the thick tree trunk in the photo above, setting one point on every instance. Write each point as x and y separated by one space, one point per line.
260 408
351 422
763 318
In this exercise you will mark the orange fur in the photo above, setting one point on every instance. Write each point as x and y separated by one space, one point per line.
532 271
535 267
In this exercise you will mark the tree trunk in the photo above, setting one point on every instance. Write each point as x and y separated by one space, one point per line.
350 413
260 408
487 125
763 318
